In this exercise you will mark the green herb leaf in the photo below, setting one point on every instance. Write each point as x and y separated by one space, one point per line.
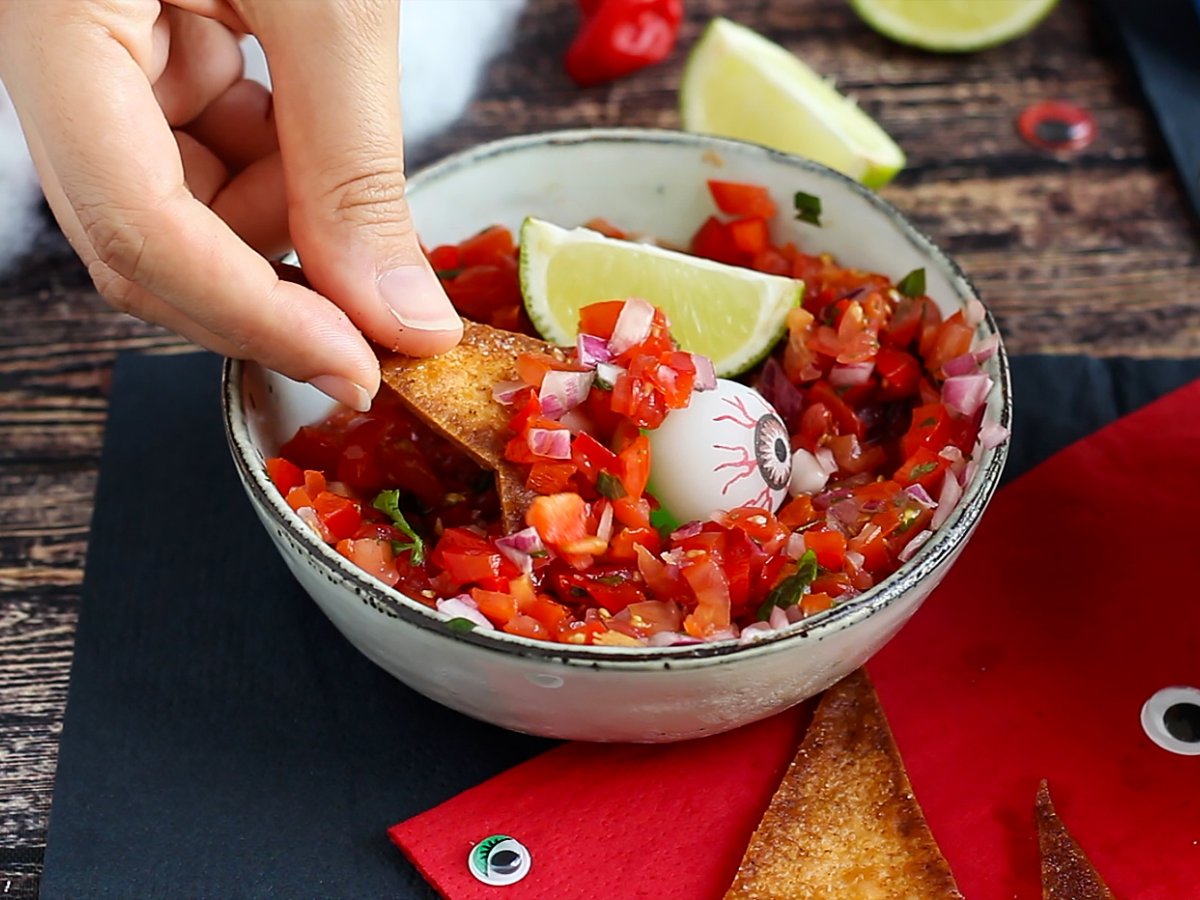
448 274
610 486
808 208
789 591
912 284
921 470
388 503
460 624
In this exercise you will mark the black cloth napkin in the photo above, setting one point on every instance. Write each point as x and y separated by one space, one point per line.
223 740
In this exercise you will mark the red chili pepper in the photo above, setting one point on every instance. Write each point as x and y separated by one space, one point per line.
621 36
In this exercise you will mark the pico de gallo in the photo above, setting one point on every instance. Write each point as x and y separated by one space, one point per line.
882 397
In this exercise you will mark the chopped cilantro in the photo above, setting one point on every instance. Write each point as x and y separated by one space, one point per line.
388 503
921 470
460 624
610 486
912 284
808 208
789 591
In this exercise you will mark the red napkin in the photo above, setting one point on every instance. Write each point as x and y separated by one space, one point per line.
1075 602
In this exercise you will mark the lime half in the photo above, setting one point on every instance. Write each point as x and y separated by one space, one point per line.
729 314
739 84
952 26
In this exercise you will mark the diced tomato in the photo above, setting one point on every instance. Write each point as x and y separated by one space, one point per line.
931 428
284 474
853 458
711 589
610 587
772 262
591 457
532 367
749 236
828 545
714 241
599 319
798 512
899 373
603 226
634 466
914 316
492 246
952 339
313 448
812 604
737 199
549 478
478 291
632 512
498 606
847 422
925 468
340 514
625 542
445 259
559 518
372 556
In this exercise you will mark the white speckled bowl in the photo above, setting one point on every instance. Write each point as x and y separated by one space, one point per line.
652 182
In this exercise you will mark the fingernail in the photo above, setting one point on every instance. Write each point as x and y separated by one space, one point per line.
343 390
417 299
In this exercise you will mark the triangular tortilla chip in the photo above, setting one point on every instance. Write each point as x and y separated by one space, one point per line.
844 823
1067 873
452 393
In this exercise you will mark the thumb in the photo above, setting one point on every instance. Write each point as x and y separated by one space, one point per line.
335 73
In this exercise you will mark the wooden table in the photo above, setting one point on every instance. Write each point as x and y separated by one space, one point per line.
1095 253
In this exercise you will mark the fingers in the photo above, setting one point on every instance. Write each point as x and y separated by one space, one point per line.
203 61
238 126
102 141
335 73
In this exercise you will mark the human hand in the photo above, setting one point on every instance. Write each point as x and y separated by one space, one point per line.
173 178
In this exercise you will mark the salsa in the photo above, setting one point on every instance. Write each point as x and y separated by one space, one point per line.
882 398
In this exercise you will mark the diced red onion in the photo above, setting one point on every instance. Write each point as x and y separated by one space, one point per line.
951 453
974 314
961 365
827 499
778 390
506 391
851 374
671 639
794 613
968 474
909 550
756 631
554 443
463 607
725 634
604 528
808 475
633 326
846 511
575 421
947 500
992 434
778 618
918 493
607 374
794 548
855 558
683 532
592 350
562 391
706 375
986 349
871 506
965 394
520 548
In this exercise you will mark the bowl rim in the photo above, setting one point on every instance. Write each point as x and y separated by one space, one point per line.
935 553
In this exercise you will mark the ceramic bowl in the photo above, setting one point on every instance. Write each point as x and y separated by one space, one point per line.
651 182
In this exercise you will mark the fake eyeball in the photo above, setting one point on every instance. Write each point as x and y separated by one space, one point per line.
727 448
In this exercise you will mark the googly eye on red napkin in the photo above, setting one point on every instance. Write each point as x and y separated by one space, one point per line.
1064 645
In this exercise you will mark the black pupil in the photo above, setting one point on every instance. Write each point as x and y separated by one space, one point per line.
504 862
780 450
1057 131
1182 721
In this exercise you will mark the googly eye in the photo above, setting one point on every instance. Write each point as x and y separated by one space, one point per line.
1171 718
499 860
772 452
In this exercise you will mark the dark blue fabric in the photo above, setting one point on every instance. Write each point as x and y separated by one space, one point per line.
223 740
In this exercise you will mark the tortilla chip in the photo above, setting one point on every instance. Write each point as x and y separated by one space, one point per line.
844 823
452 393
1067 873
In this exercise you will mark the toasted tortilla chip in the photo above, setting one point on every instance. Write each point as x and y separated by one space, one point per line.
452 393
1067 873
844 823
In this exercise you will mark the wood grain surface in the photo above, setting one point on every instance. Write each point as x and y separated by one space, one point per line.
1094 253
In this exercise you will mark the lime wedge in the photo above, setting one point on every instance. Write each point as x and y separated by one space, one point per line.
733 316
952 26
739 84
